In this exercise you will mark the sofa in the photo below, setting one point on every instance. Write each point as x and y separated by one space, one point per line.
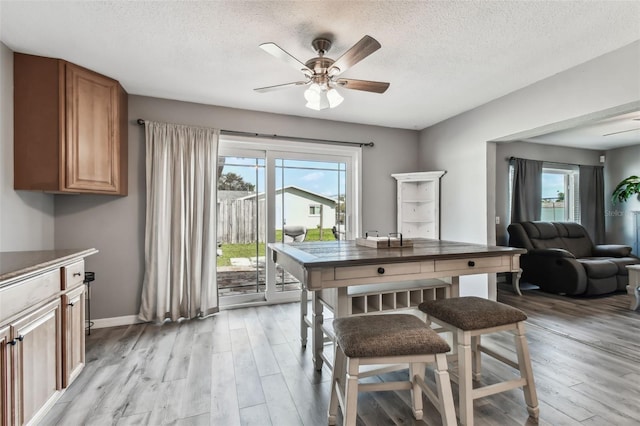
562 259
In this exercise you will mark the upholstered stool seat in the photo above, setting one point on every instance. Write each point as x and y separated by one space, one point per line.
388 339
468 318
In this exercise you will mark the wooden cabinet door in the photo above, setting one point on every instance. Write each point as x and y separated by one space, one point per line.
92 149
36 362
5 376
73 304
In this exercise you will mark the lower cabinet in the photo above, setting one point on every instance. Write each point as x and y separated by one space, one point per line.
36 355
42 337
73 304
5 376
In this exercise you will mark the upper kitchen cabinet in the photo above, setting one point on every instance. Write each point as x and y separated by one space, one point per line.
70 128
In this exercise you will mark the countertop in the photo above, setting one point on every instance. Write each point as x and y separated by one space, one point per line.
20 264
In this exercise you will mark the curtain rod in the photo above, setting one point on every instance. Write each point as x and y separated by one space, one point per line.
551 162
140 121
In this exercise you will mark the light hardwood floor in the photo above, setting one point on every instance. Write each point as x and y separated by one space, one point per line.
246 367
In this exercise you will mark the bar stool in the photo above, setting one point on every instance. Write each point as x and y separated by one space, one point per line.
468 318
388 339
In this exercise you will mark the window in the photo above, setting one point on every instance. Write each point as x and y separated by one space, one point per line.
315 209
560 201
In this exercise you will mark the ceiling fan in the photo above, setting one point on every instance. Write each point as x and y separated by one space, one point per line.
625 131
321 73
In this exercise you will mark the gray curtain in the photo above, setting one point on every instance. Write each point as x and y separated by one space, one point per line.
526 192
592 201
180 229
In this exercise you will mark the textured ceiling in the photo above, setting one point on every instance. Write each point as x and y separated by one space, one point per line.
441 57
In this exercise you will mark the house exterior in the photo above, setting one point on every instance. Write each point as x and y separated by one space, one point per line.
302 207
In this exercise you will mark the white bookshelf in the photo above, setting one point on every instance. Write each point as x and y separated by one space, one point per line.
419 204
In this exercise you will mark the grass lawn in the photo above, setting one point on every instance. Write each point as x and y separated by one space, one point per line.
249 250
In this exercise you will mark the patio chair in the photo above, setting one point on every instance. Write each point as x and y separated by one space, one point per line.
294 233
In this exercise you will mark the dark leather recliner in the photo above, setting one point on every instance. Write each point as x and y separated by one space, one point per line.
561 258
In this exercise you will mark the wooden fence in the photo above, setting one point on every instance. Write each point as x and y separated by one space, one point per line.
237 221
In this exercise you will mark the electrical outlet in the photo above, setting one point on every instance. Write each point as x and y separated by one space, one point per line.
497 220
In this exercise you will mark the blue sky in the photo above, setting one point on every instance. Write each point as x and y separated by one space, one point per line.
551 184
320 177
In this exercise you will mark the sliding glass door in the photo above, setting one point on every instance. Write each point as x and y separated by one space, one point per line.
241 225
310 203
279 191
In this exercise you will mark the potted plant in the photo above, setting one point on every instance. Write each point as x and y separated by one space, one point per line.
626 189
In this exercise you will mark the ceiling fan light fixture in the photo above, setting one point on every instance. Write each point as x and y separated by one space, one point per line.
316 97
319 98
334 98
312 94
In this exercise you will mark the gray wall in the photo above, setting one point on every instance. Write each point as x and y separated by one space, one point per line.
459 145
619 221
531 151
115 225
26 218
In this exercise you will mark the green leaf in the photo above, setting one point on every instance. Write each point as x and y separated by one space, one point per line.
626 189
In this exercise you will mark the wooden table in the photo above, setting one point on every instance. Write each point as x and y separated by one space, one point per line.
330 268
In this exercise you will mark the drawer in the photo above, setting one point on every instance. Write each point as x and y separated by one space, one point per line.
381 270
25 294
73 275
468 264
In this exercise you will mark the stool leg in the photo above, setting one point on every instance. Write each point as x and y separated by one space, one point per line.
445 395
350 410
427 319
477 357
416 369
337 379
526 372
465 382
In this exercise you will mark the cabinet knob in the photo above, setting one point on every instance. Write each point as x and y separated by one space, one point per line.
77 274
21 337
70 304
13 342
381 270
471 263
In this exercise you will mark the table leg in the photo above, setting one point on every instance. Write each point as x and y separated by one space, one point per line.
634 292
455 287
303 317
317 335
515 281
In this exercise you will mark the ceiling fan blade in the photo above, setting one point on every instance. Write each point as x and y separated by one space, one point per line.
275 50
280 86
365 47
366 85
622 131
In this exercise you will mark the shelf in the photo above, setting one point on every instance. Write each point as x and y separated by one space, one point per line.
418 196
417 201
378 298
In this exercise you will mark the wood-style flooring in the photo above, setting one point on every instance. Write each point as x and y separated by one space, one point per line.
246 367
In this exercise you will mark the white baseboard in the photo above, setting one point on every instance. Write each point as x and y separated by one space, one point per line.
116 321
285 297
